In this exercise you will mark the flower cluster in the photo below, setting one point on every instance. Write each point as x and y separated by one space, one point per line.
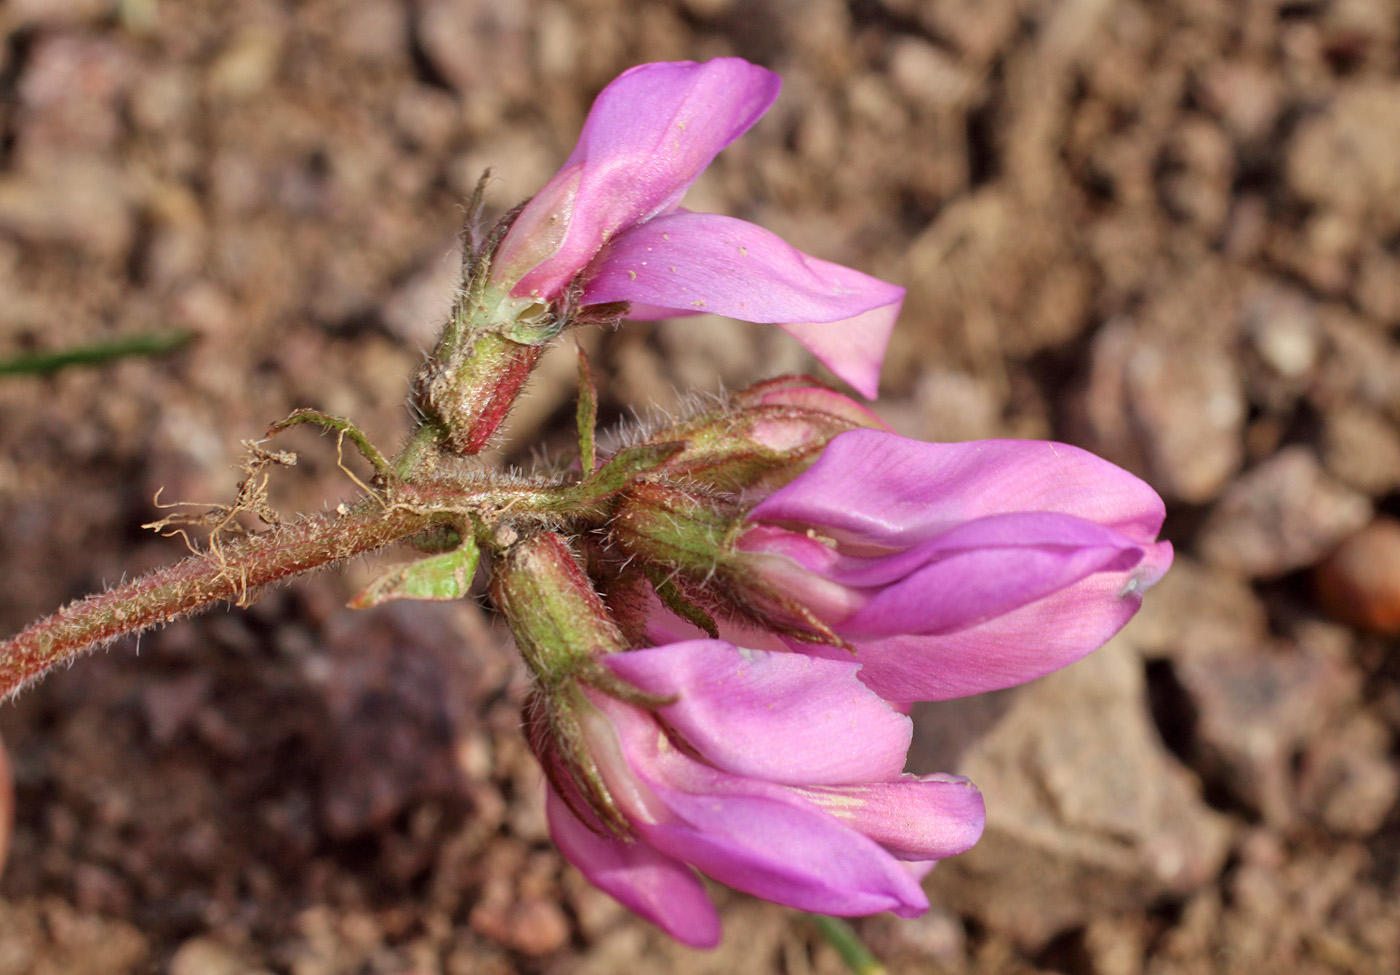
724 664
726 615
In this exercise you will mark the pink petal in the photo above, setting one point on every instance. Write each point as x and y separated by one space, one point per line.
695 262
659 888
650 133
919 869
878 489
777 716
1048 531
954 580
791 854
853 349
1011 649
967 576
802 568
917 819
758 836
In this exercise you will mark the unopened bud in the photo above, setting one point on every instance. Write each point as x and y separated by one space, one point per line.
700 541
563 629
557 727
678 529
764 436
556 617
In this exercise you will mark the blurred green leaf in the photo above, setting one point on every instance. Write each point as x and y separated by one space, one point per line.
45 363
841 936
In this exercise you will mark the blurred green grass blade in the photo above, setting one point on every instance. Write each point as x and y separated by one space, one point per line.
848 945
146 344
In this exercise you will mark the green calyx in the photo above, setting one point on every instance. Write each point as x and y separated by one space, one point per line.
559 621
688 531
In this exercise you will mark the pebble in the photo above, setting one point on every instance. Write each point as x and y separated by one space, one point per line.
1283 515
1359 583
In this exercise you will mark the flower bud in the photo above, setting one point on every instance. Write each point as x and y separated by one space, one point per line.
561 627
678 529
764 436
694 537
557 618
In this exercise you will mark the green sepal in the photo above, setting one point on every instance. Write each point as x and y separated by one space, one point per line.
670 594
597 675
438 578
537 328
622 469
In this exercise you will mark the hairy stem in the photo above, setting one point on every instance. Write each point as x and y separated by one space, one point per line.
230 570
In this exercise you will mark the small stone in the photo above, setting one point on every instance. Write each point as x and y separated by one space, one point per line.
376 31
1115 945
56 13
477 48
1283 330
69 96
247 65
1086 812
956 406
1359 583
79 201
1341 158
1171 409
558 40
929 77
1348 780
1246 96
162 99
1362 448
1256 707
538 927
1361 364
426 117
1283 515
1378 285
206 956
1198 182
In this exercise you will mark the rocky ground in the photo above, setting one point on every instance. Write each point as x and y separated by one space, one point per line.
1167 231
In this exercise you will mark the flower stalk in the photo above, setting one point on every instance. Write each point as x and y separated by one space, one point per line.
234 571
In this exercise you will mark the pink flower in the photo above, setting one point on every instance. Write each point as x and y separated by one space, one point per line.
953 569
778 774
609 221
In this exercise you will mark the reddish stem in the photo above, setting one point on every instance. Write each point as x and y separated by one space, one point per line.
238 567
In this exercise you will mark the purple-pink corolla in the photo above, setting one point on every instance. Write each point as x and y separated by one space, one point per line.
778 774
608 226
953 569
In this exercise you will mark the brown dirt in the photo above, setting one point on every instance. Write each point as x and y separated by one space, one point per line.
1166 231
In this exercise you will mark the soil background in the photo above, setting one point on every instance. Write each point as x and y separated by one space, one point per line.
1166 231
